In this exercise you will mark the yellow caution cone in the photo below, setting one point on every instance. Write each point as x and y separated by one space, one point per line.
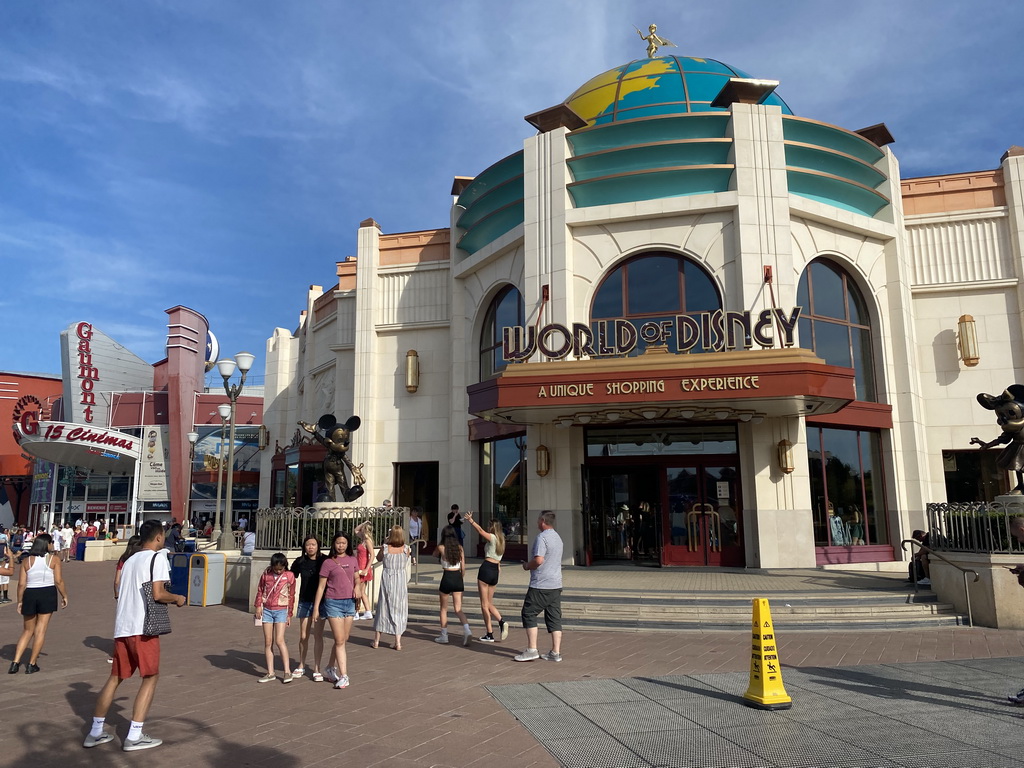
766 690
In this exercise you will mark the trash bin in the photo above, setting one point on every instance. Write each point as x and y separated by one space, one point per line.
190 545
179 574
80 551
207 573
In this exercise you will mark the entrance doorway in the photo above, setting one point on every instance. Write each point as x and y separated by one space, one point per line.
704 515
664 495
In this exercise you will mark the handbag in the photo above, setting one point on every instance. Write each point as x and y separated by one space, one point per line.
157 620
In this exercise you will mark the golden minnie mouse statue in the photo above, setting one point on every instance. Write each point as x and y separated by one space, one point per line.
337 439
1009 408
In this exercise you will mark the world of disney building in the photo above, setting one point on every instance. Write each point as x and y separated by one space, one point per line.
700 328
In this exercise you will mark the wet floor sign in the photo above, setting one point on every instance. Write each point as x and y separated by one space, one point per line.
766 690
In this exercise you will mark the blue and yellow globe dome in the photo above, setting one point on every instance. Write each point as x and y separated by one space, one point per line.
667 85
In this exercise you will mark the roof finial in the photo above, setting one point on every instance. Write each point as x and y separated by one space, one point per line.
654 41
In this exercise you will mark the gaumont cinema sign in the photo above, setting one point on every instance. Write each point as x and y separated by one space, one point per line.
713 331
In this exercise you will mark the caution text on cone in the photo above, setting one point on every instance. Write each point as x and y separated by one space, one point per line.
766 690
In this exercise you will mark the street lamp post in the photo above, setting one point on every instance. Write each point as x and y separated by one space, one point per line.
225 411
243 361
193 436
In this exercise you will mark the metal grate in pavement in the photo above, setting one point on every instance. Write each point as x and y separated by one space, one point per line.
690 749
792 744
556 722
876 734
634 717
973 759
523 696
671 687
718 715
594 752
593 691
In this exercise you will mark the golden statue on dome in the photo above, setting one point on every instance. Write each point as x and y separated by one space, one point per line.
654 41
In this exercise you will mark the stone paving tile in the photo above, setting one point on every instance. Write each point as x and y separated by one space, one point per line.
429 705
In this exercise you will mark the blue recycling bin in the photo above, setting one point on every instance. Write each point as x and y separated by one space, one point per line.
190 545
80 550
179 573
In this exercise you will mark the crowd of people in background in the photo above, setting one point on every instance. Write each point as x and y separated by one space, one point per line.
332 588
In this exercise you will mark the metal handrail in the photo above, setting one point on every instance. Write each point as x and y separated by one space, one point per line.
419 544
964 571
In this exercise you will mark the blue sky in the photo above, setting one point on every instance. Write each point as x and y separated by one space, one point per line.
221 154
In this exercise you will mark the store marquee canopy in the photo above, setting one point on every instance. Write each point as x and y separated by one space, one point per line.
76 445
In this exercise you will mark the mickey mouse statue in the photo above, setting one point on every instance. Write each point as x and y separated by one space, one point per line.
1009 408
337 439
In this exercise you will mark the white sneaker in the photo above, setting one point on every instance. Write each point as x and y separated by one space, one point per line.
143 742
530 654
342 682
368 615
357 617
442 639
331 674
552 656
467 638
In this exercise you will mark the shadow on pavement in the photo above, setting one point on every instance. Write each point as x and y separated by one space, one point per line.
239 661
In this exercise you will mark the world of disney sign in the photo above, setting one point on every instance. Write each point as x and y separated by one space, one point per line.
713 331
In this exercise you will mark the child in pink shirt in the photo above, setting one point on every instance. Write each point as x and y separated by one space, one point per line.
275 604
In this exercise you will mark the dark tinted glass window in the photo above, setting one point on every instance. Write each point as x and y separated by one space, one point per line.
506 310
655 287
834 323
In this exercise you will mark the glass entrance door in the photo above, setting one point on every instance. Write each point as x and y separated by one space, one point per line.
625 513
704 517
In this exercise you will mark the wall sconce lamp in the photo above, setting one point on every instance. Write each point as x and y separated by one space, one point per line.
722 415
543 460
412 370
264 437
785 449
967 336
192 438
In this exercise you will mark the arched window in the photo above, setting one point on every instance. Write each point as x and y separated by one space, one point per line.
654 287
834 323
506 310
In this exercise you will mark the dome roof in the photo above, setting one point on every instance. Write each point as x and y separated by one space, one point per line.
667 85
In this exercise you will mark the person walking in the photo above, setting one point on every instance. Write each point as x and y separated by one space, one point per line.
545 591
487 577
38 586
415 529
275 604
455 520
306 568
67 535
393 605
133 649
338 576
364 553
133 545
453 566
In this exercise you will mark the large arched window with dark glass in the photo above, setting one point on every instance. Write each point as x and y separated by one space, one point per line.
506 310
834 323
655 287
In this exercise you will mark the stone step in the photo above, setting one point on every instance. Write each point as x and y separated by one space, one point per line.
611 609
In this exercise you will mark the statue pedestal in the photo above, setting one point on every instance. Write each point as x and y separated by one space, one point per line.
1014 502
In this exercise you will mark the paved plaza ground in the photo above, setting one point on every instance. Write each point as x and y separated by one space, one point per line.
915 697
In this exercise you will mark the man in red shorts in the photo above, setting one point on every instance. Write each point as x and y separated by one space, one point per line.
132 649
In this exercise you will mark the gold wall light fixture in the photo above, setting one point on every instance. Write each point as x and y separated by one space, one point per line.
543 460
785 456
967 340
412 371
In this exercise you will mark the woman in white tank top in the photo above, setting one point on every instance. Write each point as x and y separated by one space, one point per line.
38 586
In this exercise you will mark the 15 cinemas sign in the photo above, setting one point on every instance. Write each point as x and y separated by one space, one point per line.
711 331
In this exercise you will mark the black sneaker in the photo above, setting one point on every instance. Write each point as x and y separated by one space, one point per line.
488 638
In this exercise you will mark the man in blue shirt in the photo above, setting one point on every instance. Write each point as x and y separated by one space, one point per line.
545 592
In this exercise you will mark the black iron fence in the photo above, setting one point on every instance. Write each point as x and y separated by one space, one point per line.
982 527
280 529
